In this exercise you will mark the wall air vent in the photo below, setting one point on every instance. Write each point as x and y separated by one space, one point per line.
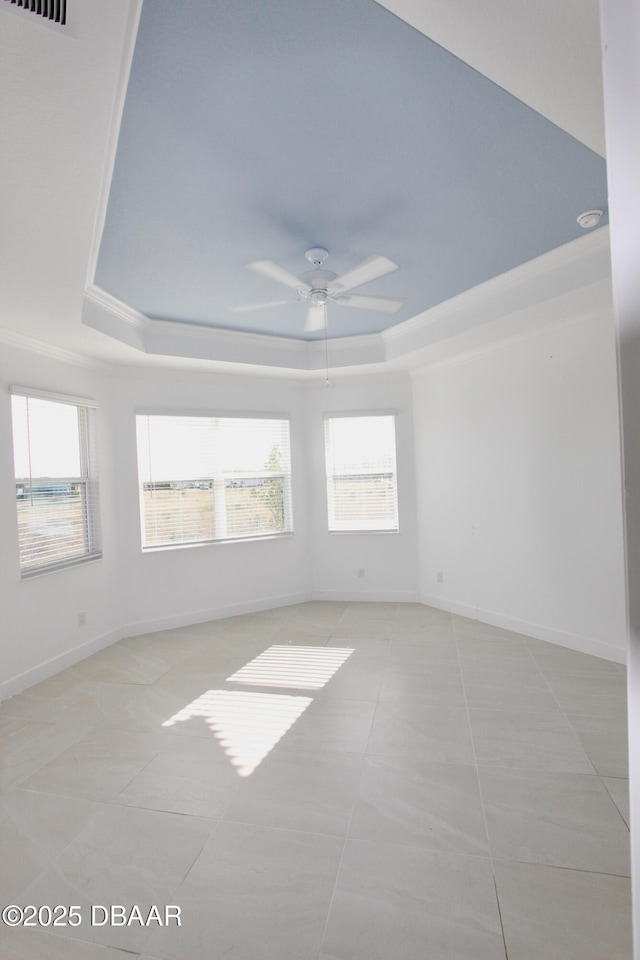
55 10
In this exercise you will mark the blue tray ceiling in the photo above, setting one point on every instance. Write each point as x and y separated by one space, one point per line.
253 130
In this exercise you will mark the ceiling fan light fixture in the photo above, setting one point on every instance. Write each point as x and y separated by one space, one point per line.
318 298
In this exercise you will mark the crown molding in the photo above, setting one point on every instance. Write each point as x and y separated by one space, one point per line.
572 265
502 308
115 319
12 338
100 298
105 313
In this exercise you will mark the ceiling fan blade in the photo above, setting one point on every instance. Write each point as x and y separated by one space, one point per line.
316 319
274 272
247 307
388 304
370 269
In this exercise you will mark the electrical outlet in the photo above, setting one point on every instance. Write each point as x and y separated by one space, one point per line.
82 619
361 572
440 576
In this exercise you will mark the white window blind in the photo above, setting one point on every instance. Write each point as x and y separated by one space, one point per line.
212 478
360 456
56 476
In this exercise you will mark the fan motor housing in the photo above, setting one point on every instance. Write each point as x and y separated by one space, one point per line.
318 278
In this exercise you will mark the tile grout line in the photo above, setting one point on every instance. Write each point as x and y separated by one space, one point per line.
115 801
348 828
563 712
482 803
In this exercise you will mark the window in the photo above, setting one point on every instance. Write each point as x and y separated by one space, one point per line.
206 479
56 480
360 456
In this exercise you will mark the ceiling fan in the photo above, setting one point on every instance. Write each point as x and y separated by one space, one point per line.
317 287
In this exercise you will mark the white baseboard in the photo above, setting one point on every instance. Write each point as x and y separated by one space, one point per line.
49 668
573 641
368 596
60 662
214 613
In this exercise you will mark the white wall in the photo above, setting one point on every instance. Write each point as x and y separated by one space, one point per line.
390 561
39 632
130 592
519 487
517 503
171 587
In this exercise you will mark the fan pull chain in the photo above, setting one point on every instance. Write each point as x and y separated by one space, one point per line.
327 381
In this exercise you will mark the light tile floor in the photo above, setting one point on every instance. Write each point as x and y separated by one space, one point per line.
380 782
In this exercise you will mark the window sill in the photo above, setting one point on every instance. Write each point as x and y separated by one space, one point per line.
33 572
357 533
216 543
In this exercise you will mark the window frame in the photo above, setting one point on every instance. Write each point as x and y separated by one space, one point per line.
330 477
211 481
87 480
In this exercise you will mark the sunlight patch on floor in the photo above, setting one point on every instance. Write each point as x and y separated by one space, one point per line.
248 725
288 666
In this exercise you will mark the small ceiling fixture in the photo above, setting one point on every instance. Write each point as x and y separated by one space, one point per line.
590 218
